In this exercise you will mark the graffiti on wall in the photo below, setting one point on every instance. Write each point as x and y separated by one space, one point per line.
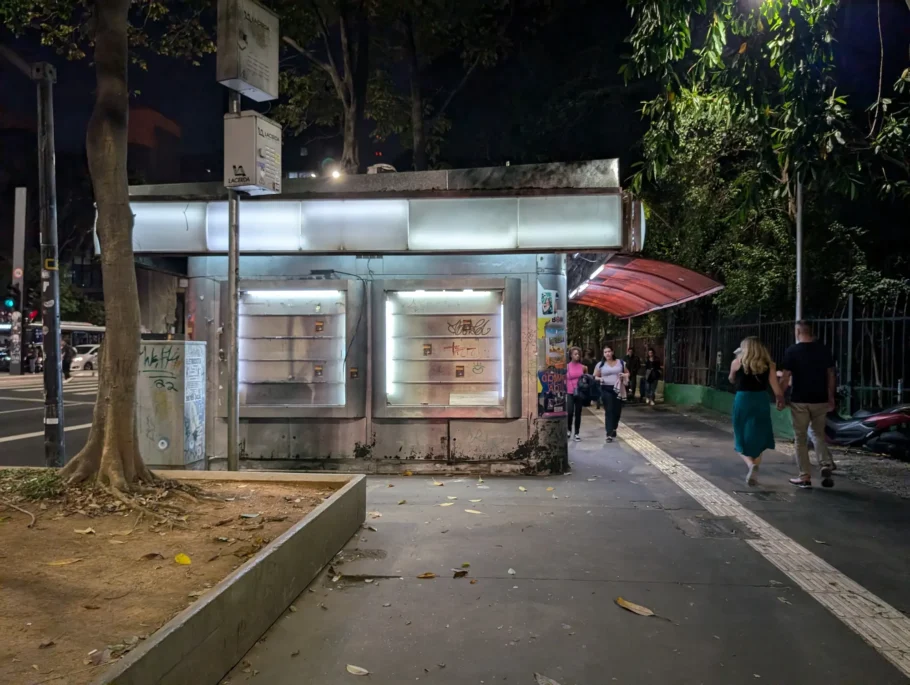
551 353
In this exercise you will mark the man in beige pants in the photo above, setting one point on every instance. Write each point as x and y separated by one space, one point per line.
810 366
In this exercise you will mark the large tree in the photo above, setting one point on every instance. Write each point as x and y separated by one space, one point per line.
109 31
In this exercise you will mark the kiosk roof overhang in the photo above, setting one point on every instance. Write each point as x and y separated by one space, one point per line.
627 286
530 208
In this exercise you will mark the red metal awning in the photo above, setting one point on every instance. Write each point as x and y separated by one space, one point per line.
629 286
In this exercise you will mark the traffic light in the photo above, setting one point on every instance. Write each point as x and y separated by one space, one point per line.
13 297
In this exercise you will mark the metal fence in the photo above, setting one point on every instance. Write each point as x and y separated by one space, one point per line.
869 342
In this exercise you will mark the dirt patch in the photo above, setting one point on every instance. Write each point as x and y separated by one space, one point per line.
65 594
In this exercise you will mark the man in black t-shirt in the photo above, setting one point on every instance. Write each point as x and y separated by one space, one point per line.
810 367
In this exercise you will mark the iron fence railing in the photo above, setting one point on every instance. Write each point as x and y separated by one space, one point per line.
869 342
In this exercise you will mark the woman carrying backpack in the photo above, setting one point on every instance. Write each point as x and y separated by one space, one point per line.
612 374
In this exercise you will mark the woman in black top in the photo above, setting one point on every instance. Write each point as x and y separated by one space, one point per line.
650 378
752 373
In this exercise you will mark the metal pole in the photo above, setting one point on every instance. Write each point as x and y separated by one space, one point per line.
54 449
799 249
233 410
849 370
629 334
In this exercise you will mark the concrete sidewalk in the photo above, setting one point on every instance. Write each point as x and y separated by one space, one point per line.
618 525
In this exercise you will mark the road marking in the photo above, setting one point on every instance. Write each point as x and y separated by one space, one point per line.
66 403
90 392
882 626
13 411
40 434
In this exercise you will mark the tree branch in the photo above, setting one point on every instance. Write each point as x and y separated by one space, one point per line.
330 70
456 89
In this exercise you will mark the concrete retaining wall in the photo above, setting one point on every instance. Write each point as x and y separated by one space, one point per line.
722 402
202 643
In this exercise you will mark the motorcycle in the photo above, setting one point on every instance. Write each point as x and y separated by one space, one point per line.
884 432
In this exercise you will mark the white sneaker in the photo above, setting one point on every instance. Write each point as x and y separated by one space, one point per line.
577 438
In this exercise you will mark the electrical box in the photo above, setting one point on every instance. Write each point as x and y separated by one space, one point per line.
247 57
252 154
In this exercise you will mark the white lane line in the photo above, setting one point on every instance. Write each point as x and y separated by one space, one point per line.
40 434
66 402
885 628
13 411
90 392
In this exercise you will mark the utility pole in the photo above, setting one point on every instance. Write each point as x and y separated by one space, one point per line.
233 409
799 249
44 75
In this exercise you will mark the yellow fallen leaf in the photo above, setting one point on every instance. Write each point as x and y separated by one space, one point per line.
183 559
447 504
356 670
426 576
436 482
466 565
480 479
452 497
522 488
408 473
84 531
402 501
63 562
633 607
473 511
550 489
475 501
117 542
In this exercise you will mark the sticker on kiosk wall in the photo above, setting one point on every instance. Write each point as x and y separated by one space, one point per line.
427 350
354 372
320 326
459 371
317 371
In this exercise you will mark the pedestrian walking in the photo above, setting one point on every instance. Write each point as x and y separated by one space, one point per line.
633 365
611 373
752 372
809 366
651 377
67 352
31 359
575 371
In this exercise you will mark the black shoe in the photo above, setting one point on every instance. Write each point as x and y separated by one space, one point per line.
609 438
827 480
801 484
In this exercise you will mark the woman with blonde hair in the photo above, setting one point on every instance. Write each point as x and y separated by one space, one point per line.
752 373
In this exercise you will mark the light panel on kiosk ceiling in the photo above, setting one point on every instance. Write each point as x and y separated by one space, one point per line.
291 294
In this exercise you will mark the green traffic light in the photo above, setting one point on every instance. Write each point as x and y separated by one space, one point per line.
9 303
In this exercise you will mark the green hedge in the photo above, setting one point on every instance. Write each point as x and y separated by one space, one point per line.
722 402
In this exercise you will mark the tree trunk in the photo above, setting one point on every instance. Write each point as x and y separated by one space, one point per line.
350 154
418 126
112 451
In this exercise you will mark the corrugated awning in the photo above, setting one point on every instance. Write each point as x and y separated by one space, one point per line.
628 286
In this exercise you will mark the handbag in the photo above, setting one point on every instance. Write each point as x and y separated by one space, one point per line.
620 386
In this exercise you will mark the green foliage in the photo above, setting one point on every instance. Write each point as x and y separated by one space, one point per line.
31 483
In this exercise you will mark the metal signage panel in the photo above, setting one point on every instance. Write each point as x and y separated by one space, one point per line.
247 58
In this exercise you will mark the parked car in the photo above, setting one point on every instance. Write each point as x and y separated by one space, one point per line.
4 360
86 358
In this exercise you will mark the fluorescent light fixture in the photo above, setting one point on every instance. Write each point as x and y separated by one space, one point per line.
445 293
502 355
597 271
389 351
291 294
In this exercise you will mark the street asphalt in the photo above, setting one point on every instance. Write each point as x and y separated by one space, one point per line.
22 416
549 566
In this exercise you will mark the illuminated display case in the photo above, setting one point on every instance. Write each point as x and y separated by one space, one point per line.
450 348
298 355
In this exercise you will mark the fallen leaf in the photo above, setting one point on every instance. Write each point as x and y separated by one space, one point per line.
447 504
117 542
473 511
151 555
90 607
483 487
367 580
465 565
480 479
183 559
436 482
249 516
408 473
543 680
46 644
451 497
292 609
633 607
356 670
296 652
391 486
550 489
475 501
522 488
591 480
784 600
511 571
63 562
374 514
224 522
426 576
459 573
818 542
474 581
371 528
84 531
775 582
402 501
387 605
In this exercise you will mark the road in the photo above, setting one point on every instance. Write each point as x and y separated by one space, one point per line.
21 417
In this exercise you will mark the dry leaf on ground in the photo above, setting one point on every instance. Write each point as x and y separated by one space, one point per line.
356 670
472 511
522 488
436 482
633 607
474 581
447 504
511 571
402 501
452 497
459 573
550 489
84 531
475 501
150 556
426 576
183 559
543 680
466 565
407 473
63 562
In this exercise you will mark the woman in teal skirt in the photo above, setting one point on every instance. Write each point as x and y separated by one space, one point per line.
752 373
